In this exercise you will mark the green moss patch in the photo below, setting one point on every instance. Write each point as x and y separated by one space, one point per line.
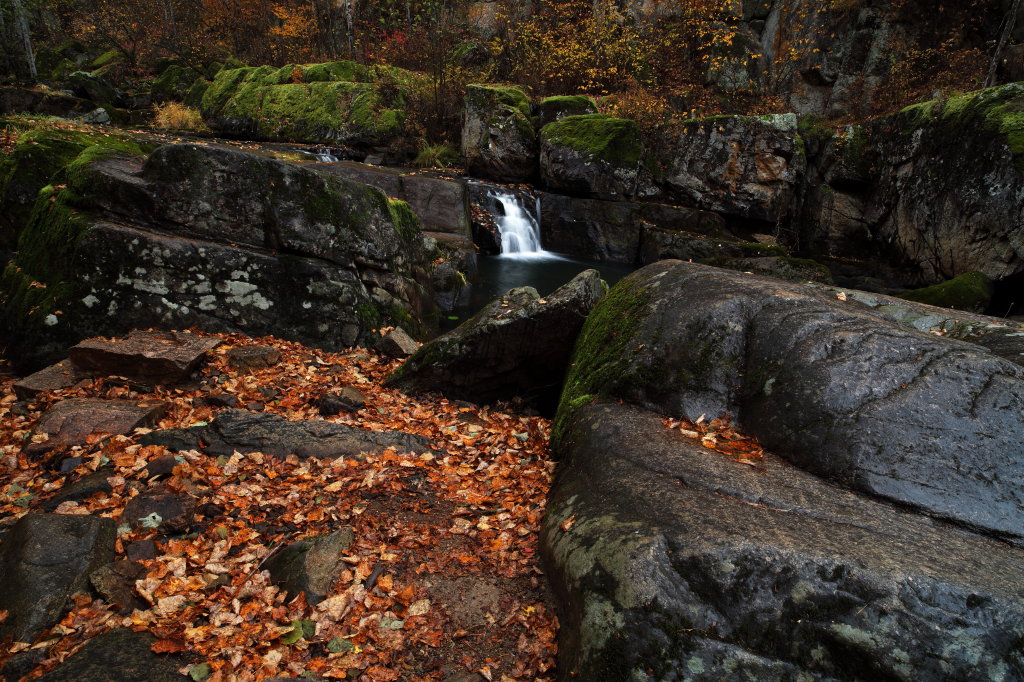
316 103
486 96
998 110
615 140
970 291
601 358
175 82
42 155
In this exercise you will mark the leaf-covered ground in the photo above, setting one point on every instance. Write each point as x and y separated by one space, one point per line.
442 576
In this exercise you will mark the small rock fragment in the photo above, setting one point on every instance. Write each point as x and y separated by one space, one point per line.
311 565
166 511
246 358
115 582
348 399
397 344
71 422
53 378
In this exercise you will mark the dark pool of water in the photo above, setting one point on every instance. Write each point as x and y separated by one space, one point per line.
545 273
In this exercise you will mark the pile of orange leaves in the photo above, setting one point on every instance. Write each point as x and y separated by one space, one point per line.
720 435
426 528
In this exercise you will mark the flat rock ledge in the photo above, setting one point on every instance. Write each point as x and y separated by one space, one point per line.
244 431
845 393
671 562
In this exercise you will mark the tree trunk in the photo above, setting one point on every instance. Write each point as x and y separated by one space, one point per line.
1011 17
350 28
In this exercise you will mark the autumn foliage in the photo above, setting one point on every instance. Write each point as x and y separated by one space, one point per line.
469 511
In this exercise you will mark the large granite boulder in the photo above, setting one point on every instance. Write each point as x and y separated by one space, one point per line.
45 559
219 239
498 137
594 155
517 346
336 102
944 211
925 421
671 561
746 167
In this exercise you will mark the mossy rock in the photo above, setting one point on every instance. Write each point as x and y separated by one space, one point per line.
598 363
483 96
175 82
39 158
313 103
107 58
614 140
970 291
555 108
94 88
999 110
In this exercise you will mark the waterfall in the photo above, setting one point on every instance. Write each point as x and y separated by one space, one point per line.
520 233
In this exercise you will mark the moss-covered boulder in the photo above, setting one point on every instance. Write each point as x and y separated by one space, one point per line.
95 88
337 102
593 155
746 167
842 392
556 108
175 83
971 291
39 157
949 197
498 137
214 238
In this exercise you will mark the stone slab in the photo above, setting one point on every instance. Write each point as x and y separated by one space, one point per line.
71 422
153 357
53 378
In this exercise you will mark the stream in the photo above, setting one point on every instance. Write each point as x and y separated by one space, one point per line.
523 260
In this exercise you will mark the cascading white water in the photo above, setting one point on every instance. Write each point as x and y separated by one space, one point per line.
520 233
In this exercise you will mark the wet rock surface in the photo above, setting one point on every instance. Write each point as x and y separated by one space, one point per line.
926 421
45 559
669 558
271 434
518 345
